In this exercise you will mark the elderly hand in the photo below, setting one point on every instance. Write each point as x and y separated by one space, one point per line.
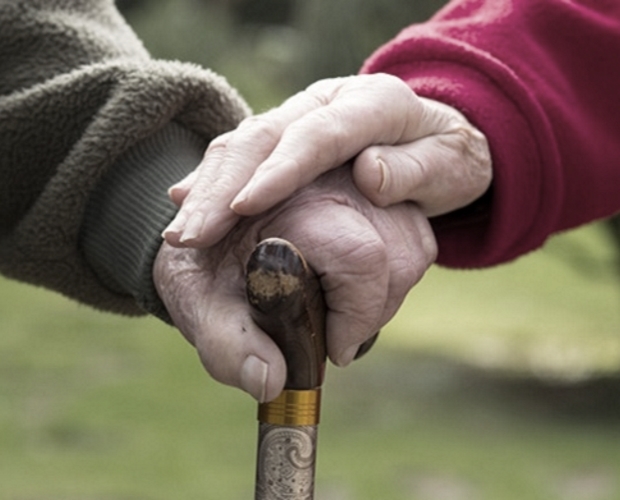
404 148
367 259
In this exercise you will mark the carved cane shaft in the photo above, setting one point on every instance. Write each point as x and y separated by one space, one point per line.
287 303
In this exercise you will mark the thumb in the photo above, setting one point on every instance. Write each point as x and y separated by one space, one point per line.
440 172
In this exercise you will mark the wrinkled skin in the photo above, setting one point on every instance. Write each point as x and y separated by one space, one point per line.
368 258
403 147
413 157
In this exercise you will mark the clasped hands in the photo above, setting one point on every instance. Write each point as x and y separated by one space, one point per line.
349 170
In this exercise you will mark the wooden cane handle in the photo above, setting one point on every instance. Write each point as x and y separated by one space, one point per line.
287 303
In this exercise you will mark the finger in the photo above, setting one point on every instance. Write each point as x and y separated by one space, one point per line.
177 192
204 293
356 299
364 110
441 173
229 162
411 249
244 356
205 204
400 247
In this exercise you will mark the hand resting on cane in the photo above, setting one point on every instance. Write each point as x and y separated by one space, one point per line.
403 148
368 258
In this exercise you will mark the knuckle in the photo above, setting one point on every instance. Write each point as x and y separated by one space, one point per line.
361 264
256 128
406 272
408 269
471 145
218 145
369 253
320 93
331 123
326 90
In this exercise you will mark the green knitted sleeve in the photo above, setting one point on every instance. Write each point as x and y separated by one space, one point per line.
93 130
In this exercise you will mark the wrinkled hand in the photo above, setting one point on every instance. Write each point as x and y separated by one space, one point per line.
404 148
367 258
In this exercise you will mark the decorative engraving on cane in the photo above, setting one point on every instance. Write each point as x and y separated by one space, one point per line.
286 460
287 304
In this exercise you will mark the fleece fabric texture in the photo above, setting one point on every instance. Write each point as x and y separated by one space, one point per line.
540 79
89 119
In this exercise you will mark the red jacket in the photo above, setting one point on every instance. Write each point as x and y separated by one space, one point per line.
542 80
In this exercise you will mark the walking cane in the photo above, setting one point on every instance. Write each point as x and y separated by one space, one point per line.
287 303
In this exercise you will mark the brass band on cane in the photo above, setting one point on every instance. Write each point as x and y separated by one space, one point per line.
287 303
292 408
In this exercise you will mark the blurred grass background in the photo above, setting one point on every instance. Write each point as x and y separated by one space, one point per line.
493 385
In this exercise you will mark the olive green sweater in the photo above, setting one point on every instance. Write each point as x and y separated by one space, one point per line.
92 133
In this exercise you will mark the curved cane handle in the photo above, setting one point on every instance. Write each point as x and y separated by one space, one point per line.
287 303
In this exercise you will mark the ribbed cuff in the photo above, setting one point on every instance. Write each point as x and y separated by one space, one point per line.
129 209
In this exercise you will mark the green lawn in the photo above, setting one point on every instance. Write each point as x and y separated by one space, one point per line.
493 385
554 313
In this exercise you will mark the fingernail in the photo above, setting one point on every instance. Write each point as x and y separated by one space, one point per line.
254 373
175 192
169 235
347 356
239 200
186 182
192 229
365 346
384 174
174 228
243 195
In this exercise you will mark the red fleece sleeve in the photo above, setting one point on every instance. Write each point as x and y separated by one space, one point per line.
540 79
